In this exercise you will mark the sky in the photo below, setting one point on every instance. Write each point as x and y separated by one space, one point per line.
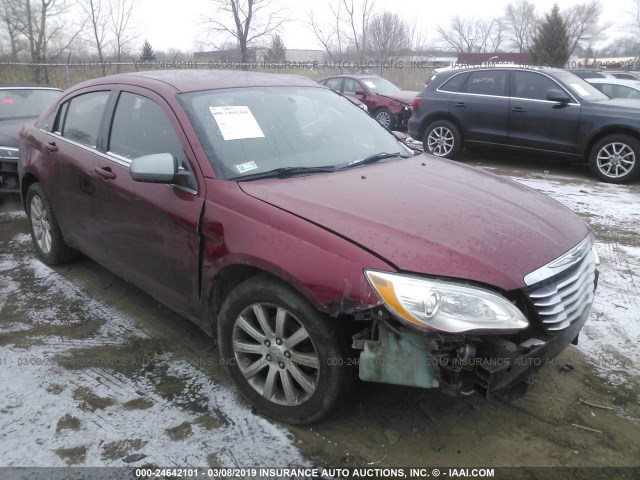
167 27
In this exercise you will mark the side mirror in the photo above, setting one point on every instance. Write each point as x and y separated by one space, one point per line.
154 168
360 92
555 95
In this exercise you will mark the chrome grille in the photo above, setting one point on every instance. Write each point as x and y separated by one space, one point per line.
563 298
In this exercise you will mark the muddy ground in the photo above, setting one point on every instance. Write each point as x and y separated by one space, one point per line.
96 373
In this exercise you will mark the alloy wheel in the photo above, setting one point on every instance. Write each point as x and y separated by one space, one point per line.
275 354
616 159
41 224
440 141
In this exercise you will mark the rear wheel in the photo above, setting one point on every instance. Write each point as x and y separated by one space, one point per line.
45 232
616 158
442 139
286 358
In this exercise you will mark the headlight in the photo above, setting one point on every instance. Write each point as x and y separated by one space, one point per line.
445 306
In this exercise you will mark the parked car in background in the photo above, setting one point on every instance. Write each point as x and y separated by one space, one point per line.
386 102
616 88
538 110
625 75
586 73
18 103
302 235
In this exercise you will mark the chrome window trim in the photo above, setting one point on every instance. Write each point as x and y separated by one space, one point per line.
113 157
543 101
563 262
575 102
9 151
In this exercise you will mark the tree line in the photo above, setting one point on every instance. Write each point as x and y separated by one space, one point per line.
43 31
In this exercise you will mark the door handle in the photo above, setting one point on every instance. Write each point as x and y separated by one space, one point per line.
51 146
518 110
461 105
105 172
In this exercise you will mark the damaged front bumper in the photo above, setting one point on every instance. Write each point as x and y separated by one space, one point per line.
486 364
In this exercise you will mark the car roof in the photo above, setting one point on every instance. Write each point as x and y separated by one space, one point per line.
183 81
23 86
351 75
450 71
616 81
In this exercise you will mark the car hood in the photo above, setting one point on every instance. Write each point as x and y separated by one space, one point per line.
433 216
404 96
618 106
9 130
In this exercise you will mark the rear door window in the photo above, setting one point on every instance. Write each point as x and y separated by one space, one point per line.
455 84
487 82
83 117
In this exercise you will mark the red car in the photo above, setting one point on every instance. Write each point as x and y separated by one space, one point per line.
303 236
386 102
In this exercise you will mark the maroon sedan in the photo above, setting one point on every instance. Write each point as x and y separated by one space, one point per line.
385 101
302 235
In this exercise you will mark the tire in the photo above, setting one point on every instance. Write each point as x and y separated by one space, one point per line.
287 359
442 139
45 231
385 118
615 158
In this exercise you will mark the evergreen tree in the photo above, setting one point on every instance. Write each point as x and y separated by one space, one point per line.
551 43
147 54
276 50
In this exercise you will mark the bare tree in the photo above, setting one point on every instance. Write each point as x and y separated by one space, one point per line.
244 20
98 17
635 15
10 31
358 14
388 36
47 33
121 13
583 24
520 24
472 36
331 37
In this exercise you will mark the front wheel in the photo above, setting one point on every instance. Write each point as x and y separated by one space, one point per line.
45 232
287 359
615 158
442 139
385 118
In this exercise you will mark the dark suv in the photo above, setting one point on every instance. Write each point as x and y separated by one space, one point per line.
539 110
18 103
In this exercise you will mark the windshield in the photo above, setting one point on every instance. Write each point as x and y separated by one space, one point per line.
246 131
380 85
581 88
25 102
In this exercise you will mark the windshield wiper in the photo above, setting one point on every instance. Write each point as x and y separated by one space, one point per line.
372 159
283 172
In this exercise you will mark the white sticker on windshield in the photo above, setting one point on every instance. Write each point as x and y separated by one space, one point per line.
246 167
236 123
578 88
369 83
